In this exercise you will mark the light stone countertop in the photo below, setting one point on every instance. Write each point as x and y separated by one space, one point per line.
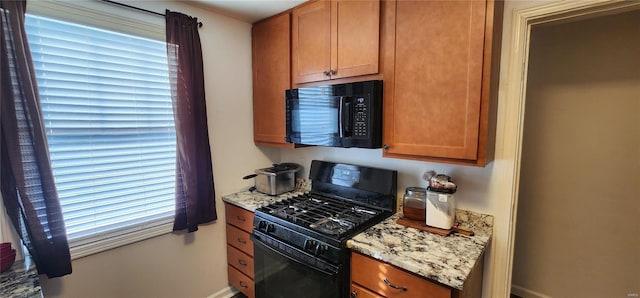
21 280
445 259
252 200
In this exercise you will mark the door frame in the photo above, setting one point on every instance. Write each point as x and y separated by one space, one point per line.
511 112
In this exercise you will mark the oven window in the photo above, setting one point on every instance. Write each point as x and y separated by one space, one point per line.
277 276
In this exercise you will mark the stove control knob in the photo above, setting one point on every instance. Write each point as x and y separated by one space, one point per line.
270 228
320 248
310 245
262 225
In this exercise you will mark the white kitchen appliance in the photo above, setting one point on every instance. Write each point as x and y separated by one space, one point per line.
440 210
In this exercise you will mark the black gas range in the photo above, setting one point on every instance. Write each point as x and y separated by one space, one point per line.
300 243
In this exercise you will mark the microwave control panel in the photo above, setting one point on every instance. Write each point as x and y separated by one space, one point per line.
360 123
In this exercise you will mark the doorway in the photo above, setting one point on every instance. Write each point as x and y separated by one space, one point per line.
578 228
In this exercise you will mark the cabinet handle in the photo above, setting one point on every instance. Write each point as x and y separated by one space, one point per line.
242 284
332 72
242 219
354 294
325 73
386 281
242 262
242 240
385 147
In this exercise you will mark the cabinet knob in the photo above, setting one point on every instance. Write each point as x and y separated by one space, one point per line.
354 294
332 72
385 147
325 73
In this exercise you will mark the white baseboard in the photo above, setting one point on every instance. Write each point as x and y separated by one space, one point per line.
226 292
526 293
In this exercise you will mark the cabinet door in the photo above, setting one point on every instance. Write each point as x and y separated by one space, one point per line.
355 38
435 106
311 41
271 77
241 261
389 281
241 282
240 240
360 292
240 218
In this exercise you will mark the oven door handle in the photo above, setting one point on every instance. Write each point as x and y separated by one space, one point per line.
255 236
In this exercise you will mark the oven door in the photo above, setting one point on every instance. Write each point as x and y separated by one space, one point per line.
283 271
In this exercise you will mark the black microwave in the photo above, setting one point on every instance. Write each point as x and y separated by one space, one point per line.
341 115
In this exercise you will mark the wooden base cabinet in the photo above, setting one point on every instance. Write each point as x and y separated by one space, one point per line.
442 81
360 292
371 278
240 249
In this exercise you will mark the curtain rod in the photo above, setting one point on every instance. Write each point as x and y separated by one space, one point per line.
141 9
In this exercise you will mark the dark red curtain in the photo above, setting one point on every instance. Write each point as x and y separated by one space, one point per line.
26 177
195 194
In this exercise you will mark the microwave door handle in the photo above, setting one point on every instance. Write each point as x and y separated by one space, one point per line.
340 128
348 116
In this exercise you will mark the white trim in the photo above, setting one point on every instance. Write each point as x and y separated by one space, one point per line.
79 251
510 129
227 292
526 293
103 15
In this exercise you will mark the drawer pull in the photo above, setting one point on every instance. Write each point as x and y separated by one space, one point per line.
242 262
242 284
388 283
242 219
242 240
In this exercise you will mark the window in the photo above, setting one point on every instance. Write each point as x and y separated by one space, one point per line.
107 108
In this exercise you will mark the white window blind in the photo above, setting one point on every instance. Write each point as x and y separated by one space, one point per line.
107 109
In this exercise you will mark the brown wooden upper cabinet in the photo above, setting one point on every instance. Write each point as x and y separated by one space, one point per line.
271 77
335 39
443 80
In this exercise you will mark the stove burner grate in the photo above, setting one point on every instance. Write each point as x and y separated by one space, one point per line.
325 215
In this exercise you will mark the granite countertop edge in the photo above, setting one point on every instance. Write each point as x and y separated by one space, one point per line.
445 259
252 200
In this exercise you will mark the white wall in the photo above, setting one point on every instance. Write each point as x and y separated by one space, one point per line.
472 181
194 265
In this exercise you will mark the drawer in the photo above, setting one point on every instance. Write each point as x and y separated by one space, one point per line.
372 274
241 282
360 292
241 218
239 239
240 261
